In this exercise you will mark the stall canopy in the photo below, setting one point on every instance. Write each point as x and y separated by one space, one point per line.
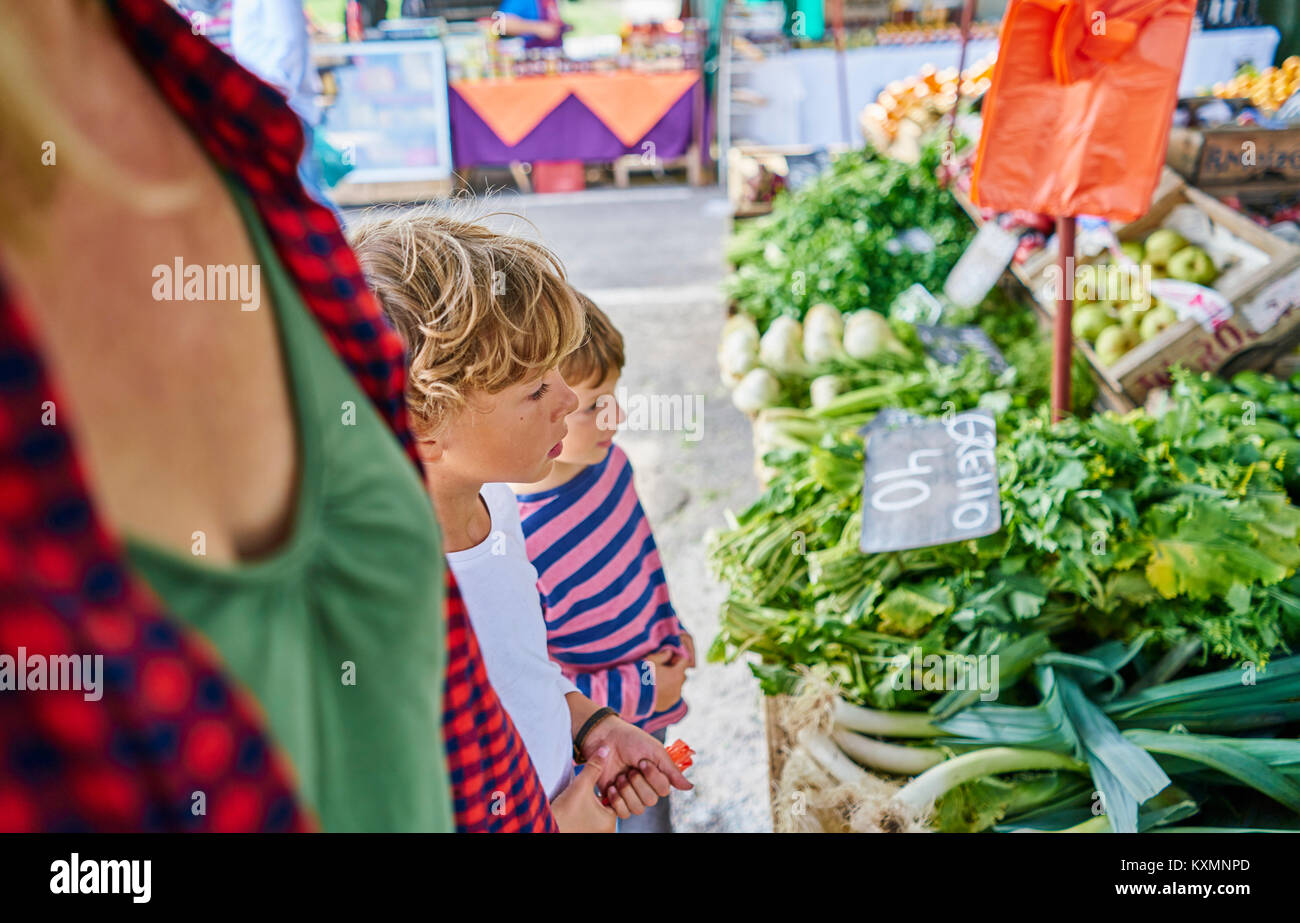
1077 119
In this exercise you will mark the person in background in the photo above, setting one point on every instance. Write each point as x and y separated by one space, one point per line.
360 15
610 623
537 20
270 38
209 18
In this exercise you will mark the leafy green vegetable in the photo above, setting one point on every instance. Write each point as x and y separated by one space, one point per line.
1114 526
837 240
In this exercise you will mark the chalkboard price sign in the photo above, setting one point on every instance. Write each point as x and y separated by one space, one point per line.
930 482
802 169
949 344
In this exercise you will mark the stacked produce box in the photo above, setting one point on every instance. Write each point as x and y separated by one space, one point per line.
1131 323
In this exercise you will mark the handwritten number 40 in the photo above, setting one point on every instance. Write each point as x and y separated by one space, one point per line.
919 490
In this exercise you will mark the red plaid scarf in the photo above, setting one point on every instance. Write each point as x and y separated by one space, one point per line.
171 723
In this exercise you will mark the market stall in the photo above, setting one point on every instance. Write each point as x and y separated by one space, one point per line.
588 117
965 616
636 98
405 111
795 102
1105 613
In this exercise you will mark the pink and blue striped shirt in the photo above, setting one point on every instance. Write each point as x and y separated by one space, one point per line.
602 588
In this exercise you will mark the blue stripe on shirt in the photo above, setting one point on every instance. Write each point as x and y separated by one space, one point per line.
612 654
574 536
645 702
616 689
607 595
556 597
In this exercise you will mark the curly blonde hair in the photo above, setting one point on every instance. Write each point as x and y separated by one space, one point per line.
478 310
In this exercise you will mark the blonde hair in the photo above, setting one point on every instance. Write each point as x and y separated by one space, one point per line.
478 311
601 352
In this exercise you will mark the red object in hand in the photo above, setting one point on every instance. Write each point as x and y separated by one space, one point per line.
678 752
681 754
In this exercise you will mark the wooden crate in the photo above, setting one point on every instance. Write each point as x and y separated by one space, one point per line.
1236 343
778 746
769 157
625 166
1217 156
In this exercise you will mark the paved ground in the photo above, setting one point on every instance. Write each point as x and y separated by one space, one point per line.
652 259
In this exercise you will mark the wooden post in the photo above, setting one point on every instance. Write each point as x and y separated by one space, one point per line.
967 13
1062 335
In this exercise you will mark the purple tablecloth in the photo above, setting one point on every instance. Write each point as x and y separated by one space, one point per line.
570 132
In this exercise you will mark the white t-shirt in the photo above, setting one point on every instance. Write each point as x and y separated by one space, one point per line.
499 587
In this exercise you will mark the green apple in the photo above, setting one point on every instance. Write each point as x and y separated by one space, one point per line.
1161 245
1192 264
1089 320
1157 319
1134 250
1114 342
1131 314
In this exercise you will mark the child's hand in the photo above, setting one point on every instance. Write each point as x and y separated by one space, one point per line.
688 642
670 673
577 809
639 770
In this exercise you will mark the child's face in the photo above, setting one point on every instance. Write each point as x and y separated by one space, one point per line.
593 424
514 435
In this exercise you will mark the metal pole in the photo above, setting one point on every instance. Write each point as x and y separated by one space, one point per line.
1062 337
701 100
842 67
722 93
967 13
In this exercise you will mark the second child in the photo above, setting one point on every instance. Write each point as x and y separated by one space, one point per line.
610 623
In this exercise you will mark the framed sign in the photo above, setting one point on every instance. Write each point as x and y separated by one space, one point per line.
386 109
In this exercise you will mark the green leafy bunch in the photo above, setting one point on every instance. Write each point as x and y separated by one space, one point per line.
835 240
1113 527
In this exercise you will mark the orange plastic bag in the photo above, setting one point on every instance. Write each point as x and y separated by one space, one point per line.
1077 119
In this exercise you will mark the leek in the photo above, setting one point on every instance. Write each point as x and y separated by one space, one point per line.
917 796
891 758
1226 757
883 723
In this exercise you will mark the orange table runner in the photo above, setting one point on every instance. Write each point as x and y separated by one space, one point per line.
629 103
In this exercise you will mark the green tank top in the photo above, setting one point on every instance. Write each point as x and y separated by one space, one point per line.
340 634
